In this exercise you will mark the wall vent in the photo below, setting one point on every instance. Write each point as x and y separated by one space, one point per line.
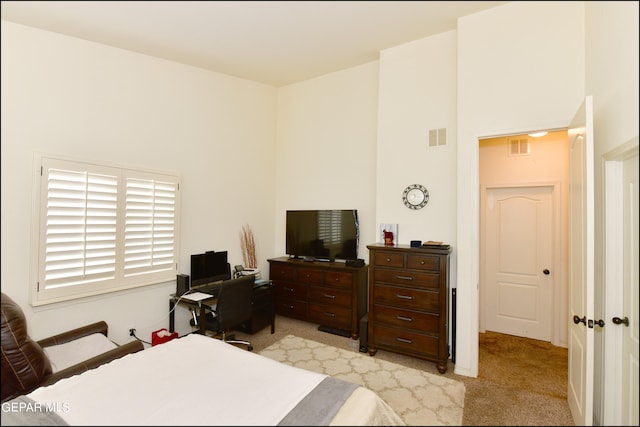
519 147
437 137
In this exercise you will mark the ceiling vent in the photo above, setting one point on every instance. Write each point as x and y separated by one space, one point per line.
437 137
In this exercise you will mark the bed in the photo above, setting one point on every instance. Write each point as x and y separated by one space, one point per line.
198 380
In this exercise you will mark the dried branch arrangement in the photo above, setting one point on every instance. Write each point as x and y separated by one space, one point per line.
248 247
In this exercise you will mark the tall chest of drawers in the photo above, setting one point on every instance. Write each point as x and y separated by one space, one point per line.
408 309
327 293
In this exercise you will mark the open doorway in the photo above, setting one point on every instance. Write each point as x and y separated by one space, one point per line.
523 236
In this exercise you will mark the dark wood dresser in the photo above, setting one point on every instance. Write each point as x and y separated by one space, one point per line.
327 293
408 309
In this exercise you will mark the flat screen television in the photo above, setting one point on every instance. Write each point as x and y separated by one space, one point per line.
209 267
324 235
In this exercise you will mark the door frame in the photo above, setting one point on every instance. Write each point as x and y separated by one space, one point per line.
612 291
559 283
468 241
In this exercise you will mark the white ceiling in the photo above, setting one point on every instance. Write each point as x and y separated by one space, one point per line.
274 42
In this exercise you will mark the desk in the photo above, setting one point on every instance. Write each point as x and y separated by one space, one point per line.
263 307
263 313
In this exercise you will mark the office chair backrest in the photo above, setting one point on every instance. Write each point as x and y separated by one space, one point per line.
234 302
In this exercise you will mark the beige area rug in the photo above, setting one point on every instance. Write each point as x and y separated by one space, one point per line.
418 397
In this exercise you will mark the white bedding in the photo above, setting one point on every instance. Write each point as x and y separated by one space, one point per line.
197 380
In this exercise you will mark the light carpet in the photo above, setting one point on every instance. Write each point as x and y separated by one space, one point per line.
418 397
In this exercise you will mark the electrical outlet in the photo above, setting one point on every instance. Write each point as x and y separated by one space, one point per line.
132 332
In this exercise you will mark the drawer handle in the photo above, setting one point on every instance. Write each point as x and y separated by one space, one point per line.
288 289
405 277
329 296
406 319
330 314
388 259
404 340
409 297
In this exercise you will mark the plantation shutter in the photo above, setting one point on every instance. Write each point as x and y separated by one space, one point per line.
149 226
80 237
103 228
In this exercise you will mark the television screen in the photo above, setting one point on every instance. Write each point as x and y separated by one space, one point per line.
209 267
322 234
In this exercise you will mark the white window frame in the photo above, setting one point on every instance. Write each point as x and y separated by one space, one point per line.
99 228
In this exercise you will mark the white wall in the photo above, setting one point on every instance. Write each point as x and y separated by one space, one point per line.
520 68
418 93
612 79
325 155
75 98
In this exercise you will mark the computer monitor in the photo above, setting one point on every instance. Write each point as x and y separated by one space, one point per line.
209 267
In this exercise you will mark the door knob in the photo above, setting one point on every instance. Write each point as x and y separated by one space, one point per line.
577 319
619 321
546 271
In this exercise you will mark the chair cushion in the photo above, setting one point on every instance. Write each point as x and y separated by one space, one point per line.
70 353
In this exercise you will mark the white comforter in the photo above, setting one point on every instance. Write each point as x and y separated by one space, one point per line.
197 380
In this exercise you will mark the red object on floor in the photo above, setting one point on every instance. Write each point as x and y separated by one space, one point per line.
161 336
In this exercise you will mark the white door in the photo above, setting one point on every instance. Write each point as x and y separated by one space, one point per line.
630 338
620 394
518 261
581 265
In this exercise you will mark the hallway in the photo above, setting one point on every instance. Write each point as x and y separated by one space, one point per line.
520 381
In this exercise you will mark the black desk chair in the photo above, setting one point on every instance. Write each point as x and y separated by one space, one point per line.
234 307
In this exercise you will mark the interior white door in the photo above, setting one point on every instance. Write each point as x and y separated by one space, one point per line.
630 338
581 265
518 261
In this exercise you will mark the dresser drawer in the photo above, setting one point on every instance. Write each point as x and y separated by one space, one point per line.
327 293
388 259
407 319
281 272
423 262
290 290
338 279
406 341
408 310
330 315
337 297
407 298
291 308
407 278
312 277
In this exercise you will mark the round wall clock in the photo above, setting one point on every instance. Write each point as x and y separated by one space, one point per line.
415 196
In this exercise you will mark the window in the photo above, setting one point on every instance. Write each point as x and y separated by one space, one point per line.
102 228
